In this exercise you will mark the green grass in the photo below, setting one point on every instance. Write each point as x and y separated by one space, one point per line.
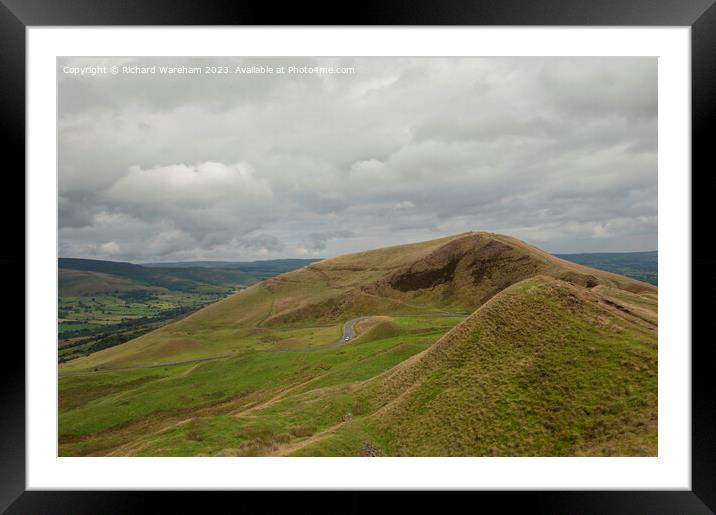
568 379
556 360
251 377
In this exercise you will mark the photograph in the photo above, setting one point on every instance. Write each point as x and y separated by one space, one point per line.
376 256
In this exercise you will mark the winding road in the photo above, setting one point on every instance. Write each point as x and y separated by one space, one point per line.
349 333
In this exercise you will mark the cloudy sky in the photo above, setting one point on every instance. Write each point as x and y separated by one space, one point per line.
560 152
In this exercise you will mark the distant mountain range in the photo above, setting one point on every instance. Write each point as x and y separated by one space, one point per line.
639 265
272 266
92 276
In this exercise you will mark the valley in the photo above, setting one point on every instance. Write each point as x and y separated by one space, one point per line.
104 303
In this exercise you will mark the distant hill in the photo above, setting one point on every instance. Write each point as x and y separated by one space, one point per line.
268 265
73 282
91 276
639 265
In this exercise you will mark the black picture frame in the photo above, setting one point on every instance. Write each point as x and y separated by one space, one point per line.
17 15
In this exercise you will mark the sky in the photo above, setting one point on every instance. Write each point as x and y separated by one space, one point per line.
559 152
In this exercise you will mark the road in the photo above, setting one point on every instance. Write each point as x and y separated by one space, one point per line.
348 332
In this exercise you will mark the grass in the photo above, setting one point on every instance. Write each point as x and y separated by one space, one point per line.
554 360
251 377
457 274
569 379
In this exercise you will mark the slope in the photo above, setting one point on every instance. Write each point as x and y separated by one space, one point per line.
307 306
545 368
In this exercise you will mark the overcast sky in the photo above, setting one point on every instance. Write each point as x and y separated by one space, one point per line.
560 152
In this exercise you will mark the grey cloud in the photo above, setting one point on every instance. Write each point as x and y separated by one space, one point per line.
558 151
318 240
263 242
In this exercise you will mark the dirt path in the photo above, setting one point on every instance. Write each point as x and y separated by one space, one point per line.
273 400
132 447
151 365
285 450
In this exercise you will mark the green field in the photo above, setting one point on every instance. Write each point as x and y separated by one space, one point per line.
89 323
102 310
162 396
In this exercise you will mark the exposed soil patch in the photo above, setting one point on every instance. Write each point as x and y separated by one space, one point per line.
420 279
491 258
618 306
585 280
627 313
486 263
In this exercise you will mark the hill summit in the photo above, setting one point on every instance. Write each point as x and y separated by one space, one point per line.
456 274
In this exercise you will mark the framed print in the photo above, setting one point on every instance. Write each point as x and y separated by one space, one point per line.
425 249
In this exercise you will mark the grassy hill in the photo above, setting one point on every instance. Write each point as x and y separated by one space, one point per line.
474 344
544 368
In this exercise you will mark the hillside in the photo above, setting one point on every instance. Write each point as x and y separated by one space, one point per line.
474 344
545 368
81 282
455 274
106 303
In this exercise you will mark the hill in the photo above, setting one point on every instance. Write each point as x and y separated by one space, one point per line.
272 266
194 279
545 368
81 282
474 344
643 266
455 274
